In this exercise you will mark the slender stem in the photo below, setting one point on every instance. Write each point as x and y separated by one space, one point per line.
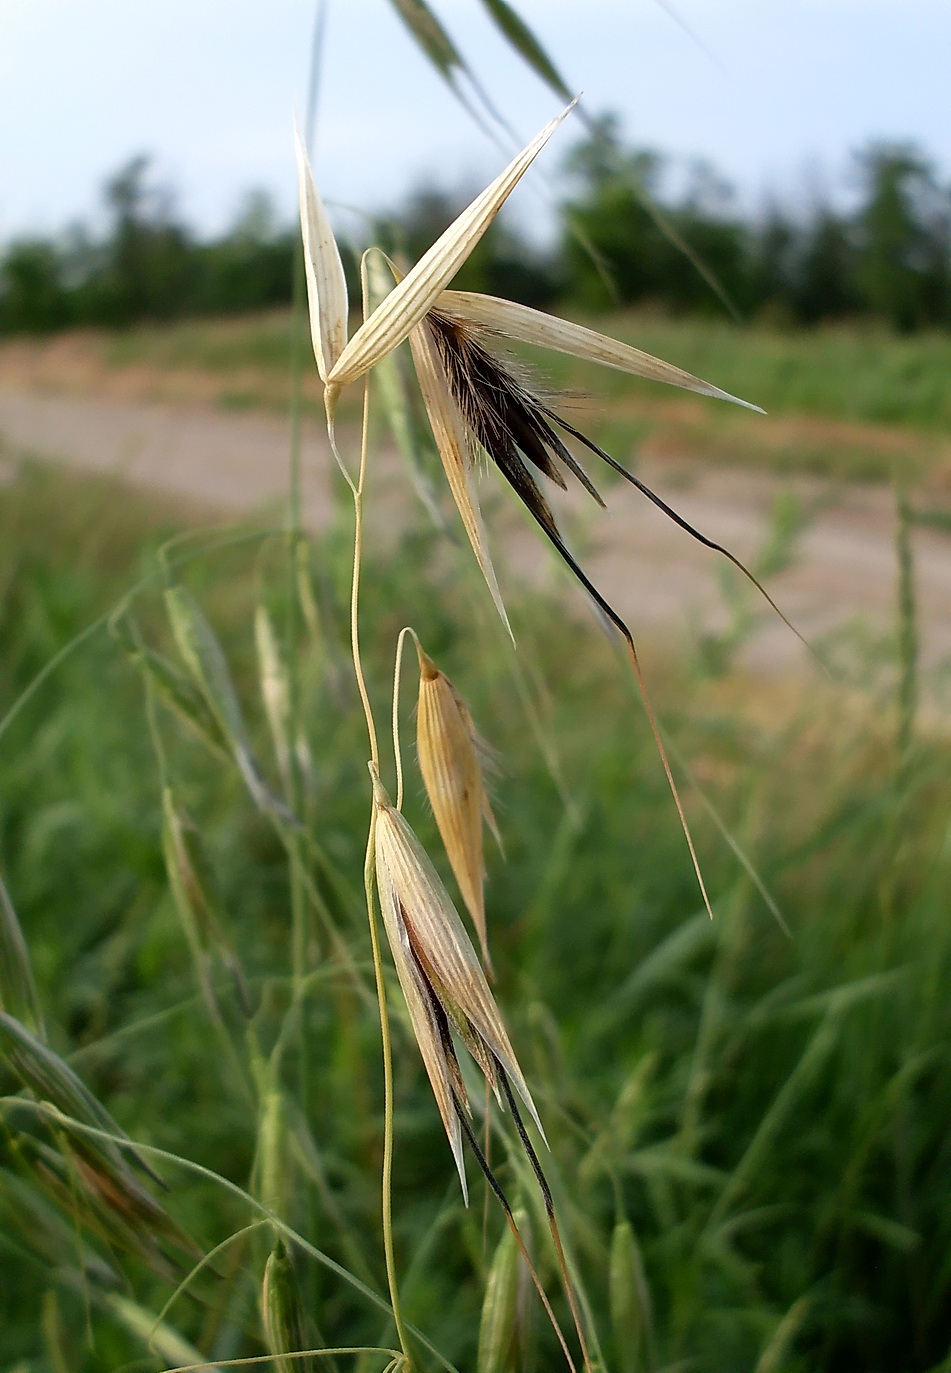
388 1109
357 490
907 623
388 1102
299 907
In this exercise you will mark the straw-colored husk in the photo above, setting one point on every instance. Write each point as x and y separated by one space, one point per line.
439 971
326 283
453 449
520 322
394 319
449 763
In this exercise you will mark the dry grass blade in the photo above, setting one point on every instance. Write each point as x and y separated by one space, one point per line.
449 762
453 451
444 951
521 322
411 300
503 418
391 385
326 283
427 1020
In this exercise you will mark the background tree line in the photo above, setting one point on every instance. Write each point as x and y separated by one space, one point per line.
624 237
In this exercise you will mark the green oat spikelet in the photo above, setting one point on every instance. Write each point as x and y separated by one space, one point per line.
204 658
499 1321
629 1300
282 1312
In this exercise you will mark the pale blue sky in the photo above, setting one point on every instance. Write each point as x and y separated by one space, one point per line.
209 87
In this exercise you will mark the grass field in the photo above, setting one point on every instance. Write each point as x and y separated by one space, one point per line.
848 401
749 1126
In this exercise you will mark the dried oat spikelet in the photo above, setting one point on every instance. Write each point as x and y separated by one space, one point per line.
454 452
340 362
399 313
447 745
440 973
326 283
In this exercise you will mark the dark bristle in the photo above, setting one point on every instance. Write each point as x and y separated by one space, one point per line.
465 363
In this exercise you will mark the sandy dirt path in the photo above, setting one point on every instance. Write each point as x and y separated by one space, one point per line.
844 570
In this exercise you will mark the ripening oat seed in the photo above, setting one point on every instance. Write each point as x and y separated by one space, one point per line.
448 749
440 974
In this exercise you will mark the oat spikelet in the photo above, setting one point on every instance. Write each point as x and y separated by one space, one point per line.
449 761
440 974
454 453
326 283
397 315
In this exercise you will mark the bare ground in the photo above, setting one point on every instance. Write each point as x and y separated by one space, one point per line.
842 574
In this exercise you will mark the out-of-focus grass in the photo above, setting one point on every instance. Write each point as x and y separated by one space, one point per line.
769 1112
850 401
858 372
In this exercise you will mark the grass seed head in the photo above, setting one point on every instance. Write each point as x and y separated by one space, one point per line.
439 971
282 1311
454 451
498 1324
393 320
449 762
326 283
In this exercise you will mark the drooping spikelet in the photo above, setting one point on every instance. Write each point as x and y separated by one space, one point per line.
449 762
439 972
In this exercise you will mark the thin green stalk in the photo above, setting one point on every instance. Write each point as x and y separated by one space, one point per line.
45 1109
357 489
907 623
201 974
300 924
388 1098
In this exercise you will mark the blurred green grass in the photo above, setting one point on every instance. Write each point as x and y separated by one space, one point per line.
769 1112
856 372
847 401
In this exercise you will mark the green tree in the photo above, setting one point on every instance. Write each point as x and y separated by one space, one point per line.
252 266
149 266
825 277
621 243
32 296
904 228
502 264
